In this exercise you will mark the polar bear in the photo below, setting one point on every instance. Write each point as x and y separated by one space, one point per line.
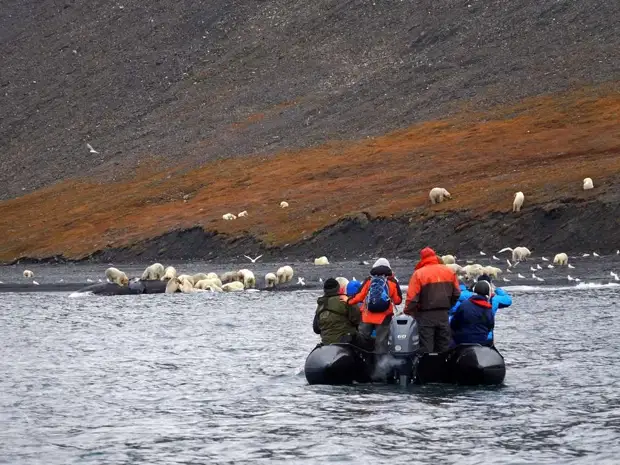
247 277
199 277
169 273
230 276
518 202
187 277
560 259
438 195
270 280
454 267
519 254
212 275
321 260
114 275
492 271
155 271
283 204
242 214
209 285
472 271
588 184
180 284
234 286
284 274
448 259
28 274
174 285
208 282
229 216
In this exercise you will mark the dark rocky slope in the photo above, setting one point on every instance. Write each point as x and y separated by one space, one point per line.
160 83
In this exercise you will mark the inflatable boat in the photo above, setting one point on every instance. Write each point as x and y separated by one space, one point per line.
134 287
467 364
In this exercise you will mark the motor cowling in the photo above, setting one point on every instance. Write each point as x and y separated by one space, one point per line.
404 339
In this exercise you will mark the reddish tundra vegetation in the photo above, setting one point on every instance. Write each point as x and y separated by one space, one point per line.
543 146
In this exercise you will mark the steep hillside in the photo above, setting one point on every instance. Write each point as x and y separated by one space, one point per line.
175 84
543 147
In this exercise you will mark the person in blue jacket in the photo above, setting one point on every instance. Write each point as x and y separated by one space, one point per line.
499 299
474 320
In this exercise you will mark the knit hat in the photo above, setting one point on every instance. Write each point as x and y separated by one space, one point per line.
482 288
485 277
381 262
331 285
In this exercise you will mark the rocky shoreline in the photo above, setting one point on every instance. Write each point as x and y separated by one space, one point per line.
571 226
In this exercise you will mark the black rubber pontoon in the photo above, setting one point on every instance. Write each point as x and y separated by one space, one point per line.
346 364
467 364
337 364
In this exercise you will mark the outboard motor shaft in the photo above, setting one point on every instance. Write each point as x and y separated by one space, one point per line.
403 344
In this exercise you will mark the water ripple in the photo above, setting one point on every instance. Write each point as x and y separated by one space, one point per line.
214 378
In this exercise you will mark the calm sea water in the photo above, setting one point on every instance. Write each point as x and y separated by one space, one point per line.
217 378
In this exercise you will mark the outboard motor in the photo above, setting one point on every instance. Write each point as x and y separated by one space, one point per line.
403 344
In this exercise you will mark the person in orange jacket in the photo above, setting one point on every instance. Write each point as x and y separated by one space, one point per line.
433 291
378 295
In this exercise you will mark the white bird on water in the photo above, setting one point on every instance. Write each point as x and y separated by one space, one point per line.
253 260
595 254
570 266
538 267
544 259
532 268
508 261
482 253
301 281
495 258
35 283
520 276
88 280
570 278
614 275
550 266
90 147
506 280
586 255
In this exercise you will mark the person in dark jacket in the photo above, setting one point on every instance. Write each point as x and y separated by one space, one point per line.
335 320
499 299
474 319
433 290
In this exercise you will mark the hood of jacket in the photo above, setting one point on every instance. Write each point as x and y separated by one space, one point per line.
381 270
427 257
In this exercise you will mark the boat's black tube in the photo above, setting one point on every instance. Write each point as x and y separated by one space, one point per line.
336 364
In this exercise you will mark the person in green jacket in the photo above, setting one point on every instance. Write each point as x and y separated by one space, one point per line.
335 320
